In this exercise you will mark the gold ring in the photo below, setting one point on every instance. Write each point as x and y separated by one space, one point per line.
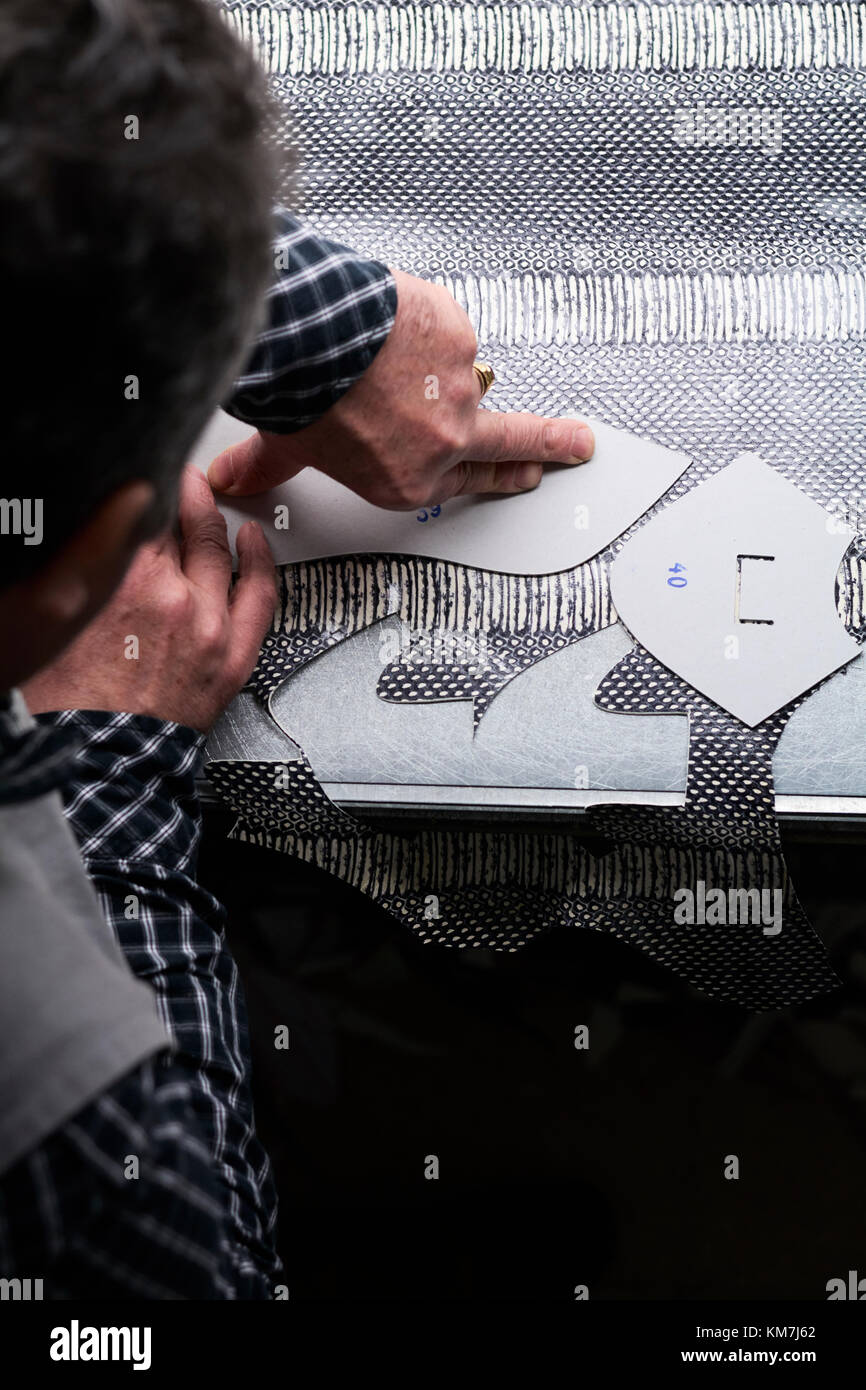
485 376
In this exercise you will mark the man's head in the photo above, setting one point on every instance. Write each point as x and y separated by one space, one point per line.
135 195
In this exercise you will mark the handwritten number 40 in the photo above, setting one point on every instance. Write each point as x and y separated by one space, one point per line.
425 515
676 578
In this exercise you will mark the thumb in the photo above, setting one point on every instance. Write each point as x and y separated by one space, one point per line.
254 465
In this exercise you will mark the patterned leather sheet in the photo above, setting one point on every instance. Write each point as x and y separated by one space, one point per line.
654 214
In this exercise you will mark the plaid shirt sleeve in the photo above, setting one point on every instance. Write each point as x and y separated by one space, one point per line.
329 312
199 1219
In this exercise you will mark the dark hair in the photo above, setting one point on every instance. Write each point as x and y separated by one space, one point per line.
120 256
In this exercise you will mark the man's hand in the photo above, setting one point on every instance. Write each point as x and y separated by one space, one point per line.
409 433
176 640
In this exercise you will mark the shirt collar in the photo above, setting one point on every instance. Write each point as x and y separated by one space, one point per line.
34 758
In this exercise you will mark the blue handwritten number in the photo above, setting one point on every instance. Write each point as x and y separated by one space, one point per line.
677 580
424 515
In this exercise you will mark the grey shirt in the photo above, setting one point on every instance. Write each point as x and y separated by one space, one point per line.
73 1018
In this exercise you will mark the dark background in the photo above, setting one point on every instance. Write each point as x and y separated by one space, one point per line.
558 1167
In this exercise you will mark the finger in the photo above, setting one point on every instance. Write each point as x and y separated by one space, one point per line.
205 555
253 600
499 437
475 476
256 464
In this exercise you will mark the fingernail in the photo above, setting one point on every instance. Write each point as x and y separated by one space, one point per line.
242 545
221 474
528 475
583 444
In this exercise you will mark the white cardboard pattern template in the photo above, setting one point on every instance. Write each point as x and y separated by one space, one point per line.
573 515
733 588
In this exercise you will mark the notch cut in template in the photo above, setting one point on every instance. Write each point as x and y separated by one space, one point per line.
573 514
749 527
757 599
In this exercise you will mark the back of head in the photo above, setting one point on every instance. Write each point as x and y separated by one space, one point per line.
135 197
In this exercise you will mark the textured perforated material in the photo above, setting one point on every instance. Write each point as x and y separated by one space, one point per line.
708 295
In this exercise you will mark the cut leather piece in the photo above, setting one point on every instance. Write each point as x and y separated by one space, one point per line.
733 588
541 731
574 513
508 621
502 889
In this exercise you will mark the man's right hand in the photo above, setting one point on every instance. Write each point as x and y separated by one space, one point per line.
409 432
